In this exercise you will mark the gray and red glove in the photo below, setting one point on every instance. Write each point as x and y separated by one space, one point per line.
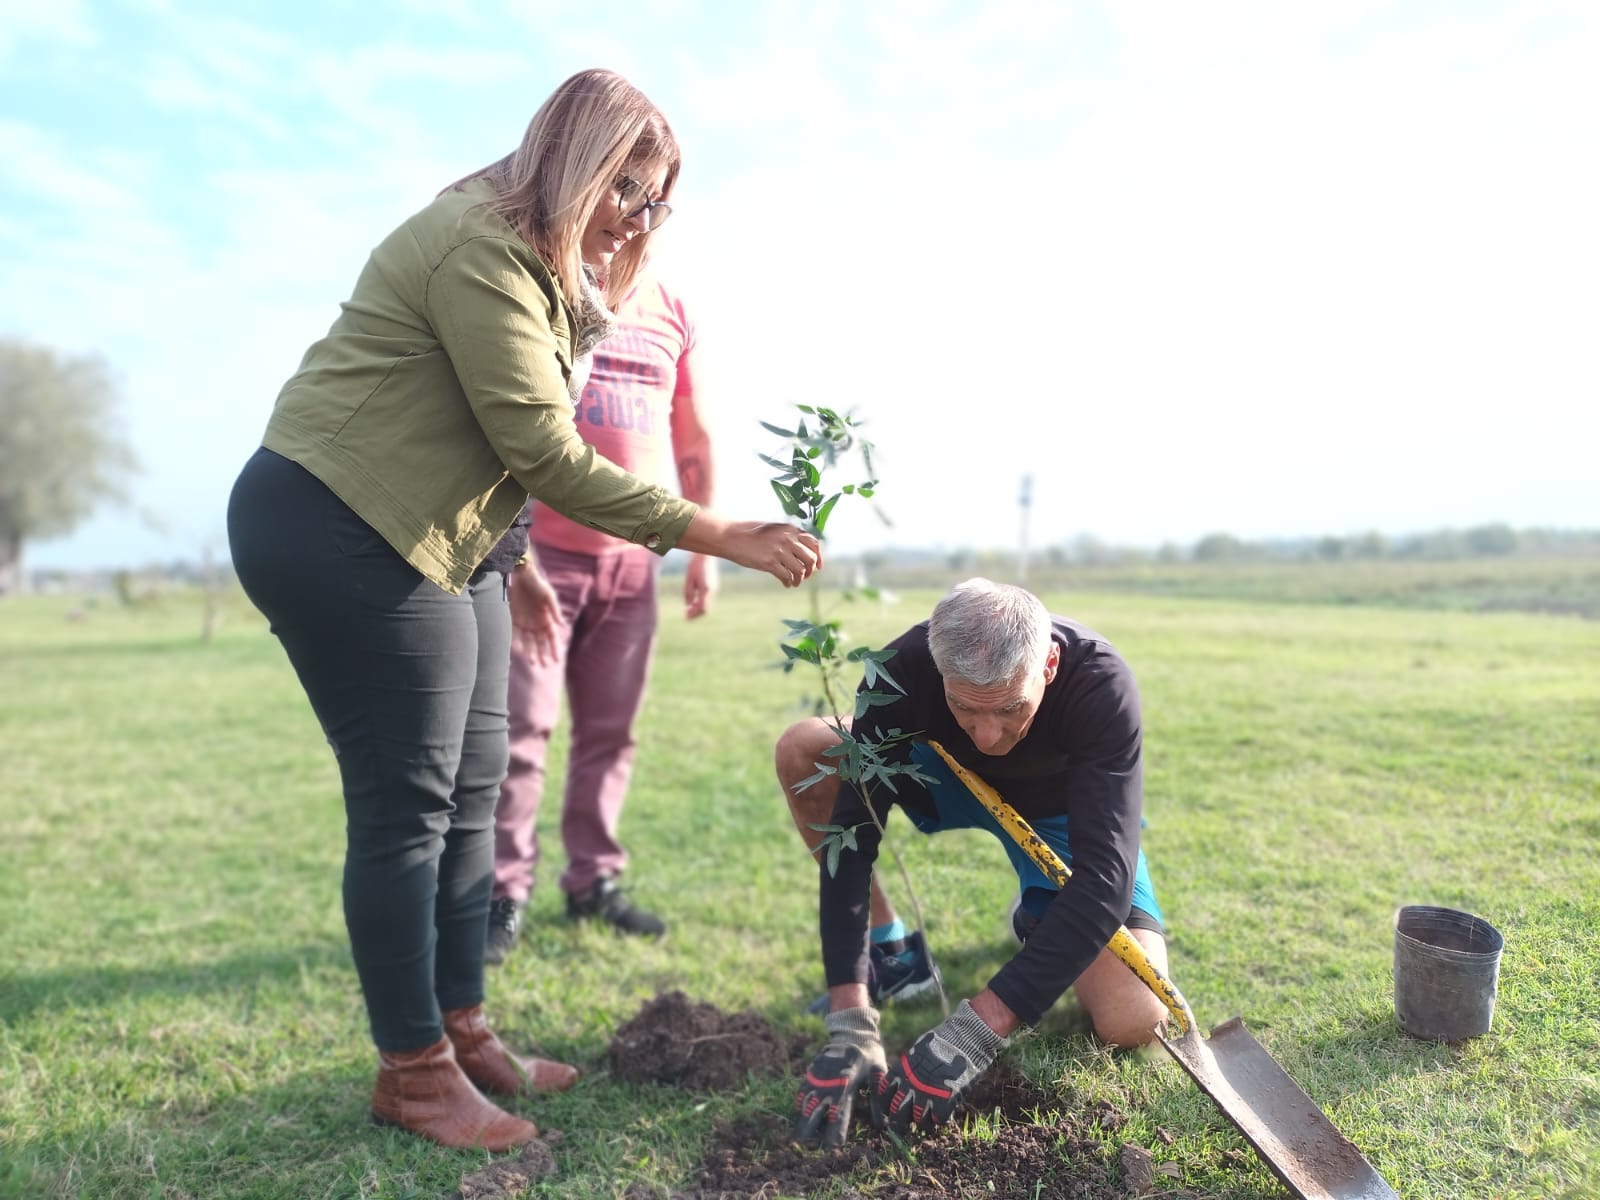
923 1087
852 1058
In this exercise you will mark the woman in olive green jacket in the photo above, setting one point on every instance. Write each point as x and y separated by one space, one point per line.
395 459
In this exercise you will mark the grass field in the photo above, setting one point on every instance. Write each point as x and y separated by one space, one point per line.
178 1016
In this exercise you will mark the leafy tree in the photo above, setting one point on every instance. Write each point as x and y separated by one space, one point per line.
1218 547
62 452
1488 541
1370 544
1331 548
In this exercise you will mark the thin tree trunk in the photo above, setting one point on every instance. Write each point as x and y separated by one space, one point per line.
208 582
12 577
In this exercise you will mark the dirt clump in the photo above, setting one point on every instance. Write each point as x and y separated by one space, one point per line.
508 1177
1138 1169
674 1040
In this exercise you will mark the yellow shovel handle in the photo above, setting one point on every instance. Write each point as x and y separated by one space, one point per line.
1122 943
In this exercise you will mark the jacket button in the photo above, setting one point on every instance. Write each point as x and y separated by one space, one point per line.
652 541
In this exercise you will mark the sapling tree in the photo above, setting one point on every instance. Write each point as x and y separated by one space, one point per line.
821 442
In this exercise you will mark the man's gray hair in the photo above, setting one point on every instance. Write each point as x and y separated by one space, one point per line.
988 634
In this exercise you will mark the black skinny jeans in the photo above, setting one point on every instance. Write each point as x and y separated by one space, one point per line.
409 683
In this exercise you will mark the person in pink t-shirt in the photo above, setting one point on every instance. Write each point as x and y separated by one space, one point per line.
639 405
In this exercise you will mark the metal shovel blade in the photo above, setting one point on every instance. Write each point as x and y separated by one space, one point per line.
1291 1134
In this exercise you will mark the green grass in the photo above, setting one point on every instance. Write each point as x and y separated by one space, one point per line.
178 1016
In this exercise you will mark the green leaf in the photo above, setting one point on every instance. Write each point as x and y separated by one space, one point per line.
783 433
872 668
877 699
868 700
880 673
853 752
813 780
786 498
833 858
821 519
886 779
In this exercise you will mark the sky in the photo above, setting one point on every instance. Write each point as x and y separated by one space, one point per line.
1271 269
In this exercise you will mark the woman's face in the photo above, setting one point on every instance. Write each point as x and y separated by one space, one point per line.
609 231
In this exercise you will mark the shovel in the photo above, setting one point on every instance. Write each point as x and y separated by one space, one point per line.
1292 1135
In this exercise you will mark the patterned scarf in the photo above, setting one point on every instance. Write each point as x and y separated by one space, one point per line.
596 323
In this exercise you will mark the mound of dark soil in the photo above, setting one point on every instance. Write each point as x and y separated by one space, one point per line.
673 1040
1026 1159
1033 1149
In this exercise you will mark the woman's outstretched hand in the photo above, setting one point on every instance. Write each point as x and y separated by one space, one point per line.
789 555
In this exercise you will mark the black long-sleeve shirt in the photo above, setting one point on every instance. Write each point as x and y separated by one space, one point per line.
513 544
1080 757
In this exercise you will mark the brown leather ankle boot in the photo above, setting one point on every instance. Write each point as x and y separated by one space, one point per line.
494 1068
426 1092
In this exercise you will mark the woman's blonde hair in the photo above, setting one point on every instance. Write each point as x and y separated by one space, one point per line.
594 127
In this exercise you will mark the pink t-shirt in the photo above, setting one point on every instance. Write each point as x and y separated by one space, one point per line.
626 409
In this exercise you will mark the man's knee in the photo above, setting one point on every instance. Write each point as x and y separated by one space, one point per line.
785 755
1131 1027
800 748
796 755
1122 1009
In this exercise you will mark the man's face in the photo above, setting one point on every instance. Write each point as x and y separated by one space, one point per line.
997 718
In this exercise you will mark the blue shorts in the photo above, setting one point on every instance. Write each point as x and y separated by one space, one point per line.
958 808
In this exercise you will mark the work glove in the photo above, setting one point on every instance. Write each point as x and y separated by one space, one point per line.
923 1088
852 1058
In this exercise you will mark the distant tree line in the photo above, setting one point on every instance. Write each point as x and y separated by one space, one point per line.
1496 540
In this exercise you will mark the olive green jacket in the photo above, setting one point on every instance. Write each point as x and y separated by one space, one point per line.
438 401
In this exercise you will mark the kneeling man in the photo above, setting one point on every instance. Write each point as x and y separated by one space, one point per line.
1046 713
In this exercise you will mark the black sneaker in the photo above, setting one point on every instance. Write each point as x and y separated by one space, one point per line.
900 976
611 906
905 975
505 922
1022 921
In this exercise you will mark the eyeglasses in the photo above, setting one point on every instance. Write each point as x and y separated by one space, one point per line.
633 200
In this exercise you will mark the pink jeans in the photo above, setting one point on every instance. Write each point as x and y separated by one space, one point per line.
609 606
